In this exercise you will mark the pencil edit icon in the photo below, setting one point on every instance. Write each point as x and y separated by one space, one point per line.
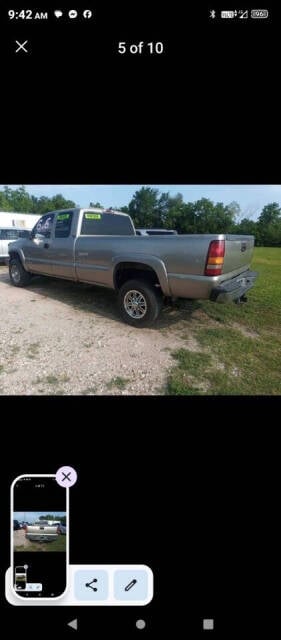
130 585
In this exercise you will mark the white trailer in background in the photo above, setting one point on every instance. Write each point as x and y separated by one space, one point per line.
11 225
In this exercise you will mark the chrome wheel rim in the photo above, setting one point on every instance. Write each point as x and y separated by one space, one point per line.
15 273
135 304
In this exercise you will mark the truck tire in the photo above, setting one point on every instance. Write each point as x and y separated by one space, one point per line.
139 303
18 275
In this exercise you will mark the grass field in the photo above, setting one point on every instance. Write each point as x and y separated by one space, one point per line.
56 545
238 346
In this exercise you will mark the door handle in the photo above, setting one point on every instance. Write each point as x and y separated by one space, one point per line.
46 245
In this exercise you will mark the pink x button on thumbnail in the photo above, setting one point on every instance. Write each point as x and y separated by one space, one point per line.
66 476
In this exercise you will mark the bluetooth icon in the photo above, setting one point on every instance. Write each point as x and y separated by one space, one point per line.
212 14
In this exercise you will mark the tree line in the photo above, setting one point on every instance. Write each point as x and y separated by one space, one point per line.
19 200
50 517
149 208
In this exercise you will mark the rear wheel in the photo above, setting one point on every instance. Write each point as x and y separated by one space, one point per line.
139 303
18 275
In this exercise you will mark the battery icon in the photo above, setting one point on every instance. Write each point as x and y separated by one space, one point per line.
259 13
227 14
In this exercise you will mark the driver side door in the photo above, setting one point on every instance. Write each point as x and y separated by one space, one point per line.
36 251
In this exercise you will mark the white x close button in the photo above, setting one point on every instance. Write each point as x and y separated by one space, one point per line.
21 46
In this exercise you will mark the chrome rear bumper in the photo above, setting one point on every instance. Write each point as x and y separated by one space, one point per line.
234 289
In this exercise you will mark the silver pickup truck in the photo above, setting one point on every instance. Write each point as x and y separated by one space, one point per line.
103 249
42 531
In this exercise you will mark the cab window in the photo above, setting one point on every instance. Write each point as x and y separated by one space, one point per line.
63 224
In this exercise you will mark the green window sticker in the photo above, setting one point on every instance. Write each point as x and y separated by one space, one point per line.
63 216
93 216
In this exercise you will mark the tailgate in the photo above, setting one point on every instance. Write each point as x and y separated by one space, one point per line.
238 253
43 529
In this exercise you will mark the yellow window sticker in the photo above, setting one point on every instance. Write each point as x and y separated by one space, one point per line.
92 216
63 216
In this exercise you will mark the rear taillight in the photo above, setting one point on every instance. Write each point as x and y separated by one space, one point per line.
214 263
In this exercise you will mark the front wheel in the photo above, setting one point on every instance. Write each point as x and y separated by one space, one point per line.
18 275
139 303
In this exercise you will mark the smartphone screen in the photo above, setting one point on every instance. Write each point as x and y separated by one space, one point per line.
39 537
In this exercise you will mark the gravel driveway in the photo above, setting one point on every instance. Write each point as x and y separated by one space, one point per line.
59 337
20 540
